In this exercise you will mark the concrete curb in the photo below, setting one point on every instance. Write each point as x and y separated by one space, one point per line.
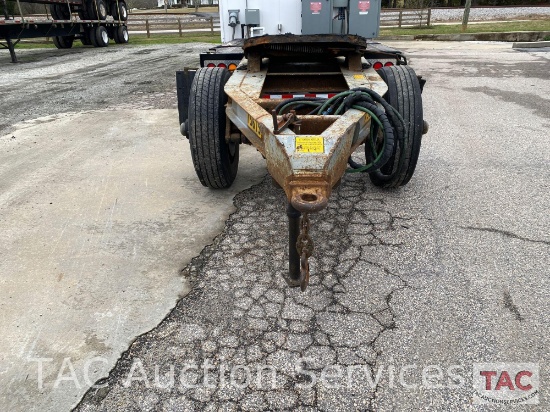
519 36
530 45
400 37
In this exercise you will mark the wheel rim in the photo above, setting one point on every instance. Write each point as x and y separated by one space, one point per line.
124 13
104 37
125 35
102 10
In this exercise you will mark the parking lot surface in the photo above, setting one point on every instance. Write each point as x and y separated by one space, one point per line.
98 214
448 272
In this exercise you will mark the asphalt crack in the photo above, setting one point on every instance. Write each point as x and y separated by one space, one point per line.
511 306
268 345
505 233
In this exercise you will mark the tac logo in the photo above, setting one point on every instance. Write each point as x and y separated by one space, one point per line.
506 383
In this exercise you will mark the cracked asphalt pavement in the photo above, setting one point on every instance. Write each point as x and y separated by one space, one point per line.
240 311
409 288
46 82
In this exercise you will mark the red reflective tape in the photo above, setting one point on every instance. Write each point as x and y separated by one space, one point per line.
291 96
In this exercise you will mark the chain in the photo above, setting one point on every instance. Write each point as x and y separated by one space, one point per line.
305 250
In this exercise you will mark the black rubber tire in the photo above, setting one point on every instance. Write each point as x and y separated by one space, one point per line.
85 39
60 12
92 36
103 9
216 161
120 35
99 13
53 12
58 42
123 11
90 10
83 13
403 94
99 36
63 42
119 9
64 11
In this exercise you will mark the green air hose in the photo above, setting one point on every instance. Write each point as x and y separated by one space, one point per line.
385 119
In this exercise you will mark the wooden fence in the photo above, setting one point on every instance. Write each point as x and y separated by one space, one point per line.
157 25
405 17
172 25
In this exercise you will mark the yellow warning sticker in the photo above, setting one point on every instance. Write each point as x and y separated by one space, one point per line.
254 126
359 77
310 144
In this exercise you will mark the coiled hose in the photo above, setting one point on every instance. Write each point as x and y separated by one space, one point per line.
385 118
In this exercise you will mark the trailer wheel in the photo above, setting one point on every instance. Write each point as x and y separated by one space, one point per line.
216 161
403 94
53 12
92 36
99 36
60 12
120 34
97 9
63 42
83 14
119 10
85 39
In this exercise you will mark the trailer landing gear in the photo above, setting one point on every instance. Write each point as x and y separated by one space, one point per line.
10 45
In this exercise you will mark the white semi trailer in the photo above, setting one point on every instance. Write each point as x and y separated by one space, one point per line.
241 18
249 18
